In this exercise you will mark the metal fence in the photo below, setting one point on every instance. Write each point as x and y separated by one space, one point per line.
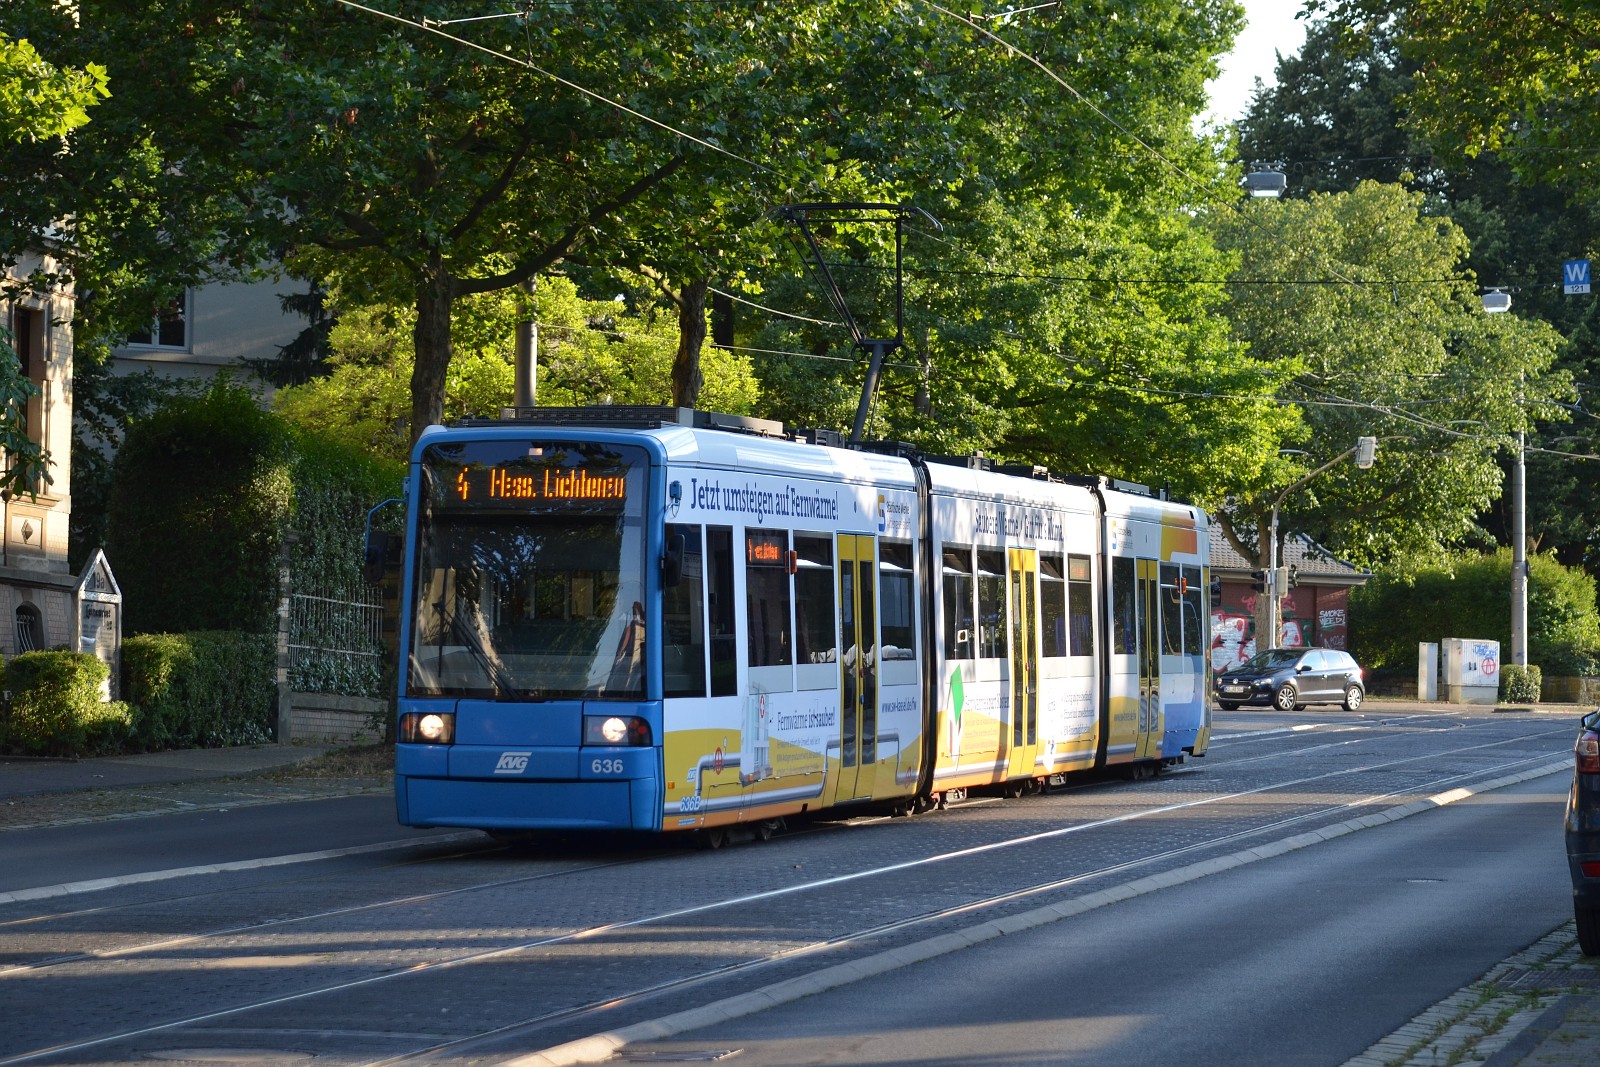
335 643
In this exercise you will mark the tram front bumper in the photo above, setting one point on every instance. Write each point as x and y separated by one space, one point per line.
530 788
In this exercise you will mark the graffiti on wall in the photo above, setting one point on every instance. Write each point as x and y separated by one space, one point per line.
1310 615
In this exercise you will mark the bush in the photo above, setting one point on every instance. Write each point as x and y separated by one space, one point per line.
1519 684
202 689
56 706
1470 596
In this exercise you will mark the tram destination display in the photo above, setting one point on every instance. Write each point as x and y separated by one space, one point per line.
543 478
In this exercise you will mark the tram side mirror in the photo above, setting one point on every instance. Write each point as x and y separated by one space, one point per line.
672 561
375 556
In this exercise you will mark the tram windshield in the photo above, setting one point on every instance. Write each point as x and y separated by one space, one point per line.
529 581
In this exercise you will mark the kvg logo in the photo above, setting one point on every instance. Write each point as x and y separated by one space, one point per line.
512 762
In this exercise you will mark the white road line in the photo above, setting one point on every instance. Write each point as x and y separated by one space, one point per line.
95 885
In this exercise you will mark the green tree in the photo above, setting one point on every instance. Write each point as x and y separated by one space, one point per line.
201 500
1513 80
590 351
1335 117
1367 299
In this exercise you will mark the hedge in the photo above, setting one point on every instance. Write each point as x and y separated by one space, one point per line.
207 688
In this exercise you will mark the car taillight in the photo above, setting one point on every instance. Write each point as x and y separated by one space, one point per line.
1587 751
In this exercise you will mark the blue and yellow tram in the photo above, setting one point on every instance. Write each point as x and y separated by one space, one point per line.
660 620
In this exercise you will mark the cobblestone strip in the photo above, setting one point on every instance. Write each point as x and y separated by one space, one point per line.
1474 1023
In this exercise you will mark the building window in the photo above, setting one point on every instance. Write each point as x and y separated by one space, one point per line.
168 329
30 629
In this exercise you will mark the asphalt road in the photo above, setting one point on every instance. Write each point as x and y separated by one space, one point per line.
322 929
1304 959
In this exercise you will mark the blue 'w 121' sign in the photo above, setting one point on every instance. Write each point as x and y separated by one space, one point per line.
1575 276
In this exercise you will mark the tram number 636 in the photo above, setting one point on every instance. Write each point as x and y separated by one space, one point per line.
606 766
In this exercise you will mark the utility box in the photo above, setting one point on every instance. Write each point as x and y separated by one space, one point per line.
1428 670
1471 670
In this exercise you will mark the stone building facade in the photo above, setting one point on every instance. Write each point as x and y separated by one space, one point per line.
38 594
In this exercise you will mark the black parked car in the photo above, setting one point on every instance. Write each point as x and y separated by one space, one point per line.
1583 834
1291 678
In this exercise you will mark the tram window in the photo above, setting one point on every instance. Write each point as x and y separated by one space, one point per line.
1123 607
766 595
1194 617
1052 606
898 638
683 620
724 631
1080 605
1171 611
813 598
991 605
957 566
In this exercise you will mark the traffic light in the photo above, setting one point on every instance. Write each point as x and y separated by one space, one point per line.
1259 581
1216 591
1294 575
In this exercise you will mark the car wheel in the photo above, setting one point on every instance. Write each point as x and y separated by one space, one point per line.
1588 928
1353 696
1285 698
1227 705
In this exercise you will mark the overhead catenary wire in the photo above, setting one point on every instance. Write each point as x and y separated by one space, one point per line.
530 65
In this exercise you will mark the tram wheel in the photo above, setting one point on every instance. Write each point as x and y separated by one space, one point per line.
710 838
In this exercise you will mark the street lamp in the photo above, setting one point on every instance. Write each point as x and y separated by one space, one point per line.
1366 452
1494 302
1265 179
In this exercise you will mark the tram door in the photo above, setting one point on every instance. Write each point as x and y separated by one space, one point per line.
1148 605
1024 581
858 672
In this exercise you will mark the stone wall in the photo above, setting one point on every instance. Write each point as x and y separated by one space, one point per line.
1570 689
328 717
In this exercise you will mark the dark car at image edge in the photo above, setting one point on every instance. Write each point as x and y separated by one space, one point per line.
1291 678
1583 834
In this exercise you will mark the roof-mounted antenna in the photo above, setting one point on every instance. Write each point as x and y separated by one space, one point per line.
803 215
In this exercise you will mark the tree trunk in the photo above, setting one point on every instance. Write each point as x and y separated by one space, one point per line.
431 338
686 376
1265 638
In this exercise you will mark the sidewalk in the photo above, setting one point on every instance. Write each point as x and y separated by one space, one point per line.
20 777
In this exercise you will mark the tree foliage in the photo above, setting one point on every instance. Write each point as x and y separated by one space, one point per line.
1337 115
590 351
1509 79
1366 298
41 102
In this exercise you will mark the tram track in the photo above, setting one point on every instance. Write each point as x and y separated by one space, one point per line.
840 942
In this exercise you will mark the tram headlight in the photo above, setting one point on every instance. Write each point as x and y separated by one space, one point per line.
428 728
615 730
